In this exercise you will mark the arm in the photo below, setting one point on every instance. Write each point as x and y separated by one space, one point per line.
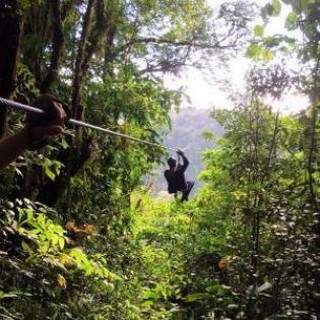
185 161
11 147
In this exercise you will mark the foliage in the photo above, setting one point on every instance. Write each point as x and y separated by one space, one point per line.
37 252
105 59
232 251
91 243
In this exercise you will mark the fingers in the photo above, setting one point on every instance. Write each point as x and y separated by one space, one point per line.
179 152
52 130
60 114
43 126
55 112
42 133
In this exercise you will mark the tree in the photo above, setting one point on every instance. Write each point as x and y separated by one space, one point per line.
103 58
86 43
9 37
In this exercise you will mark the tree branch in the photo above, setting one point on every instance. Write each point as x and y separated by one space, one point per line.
57 46
79 61
96 36
189 43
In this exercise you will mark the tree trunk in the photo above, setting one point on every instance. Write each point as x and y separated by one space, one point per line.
57 46
76 85
9 39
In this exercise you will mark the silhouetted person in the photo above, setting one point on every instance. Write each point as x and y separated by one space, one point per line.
176 178
38 129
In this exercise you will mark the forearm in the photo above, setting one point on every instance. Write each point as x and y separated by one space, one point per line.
185 161
11 147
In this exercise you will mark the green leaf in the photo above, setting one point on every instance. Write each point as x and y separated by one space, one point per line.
264 287
276 6
208 136
271 9
258 53
49 173
4 295
13 294
26 247
258 30
196 297
61 243
291 21
64 143
253 51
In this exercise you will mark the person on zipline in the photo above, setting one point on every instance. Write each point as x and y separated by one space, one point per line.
38 129
176 178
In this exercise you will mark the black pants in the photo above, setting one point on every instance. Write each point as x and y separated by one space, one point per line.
186 192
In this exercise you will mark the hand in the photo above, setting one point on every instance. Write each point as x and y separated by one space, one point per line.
43 126
53 128
35 134
59 112
180 153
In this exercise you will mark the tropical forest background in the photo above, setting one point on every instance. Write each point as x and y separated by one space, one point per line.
82 235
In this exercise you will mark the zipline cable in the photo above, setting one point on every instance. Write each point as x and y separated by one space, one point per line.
17 105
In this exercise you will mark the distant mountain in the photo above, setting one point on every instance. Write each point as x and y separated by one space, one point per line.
188 127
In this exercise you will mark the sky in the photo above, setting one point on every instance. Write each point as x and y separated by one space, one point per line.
204 91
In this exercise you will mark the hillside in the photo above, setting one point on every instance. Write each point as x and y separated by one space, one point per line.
187 134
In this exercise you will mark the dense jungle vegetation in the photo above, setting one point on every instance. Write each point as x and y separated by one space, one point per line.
81 237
